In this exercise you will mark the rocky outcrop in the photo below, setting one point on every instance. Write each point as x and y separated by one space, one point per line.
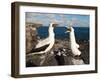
31 36
66 57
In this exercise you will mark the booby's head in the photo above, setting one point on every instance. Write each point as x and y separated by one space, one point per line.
53 24
69 29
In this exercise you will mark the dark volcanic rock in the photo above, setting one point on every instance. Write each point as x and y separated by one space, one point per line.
66 57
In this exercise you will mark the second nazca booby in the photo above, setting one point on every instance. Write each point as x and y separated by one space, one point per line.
45 45
73 44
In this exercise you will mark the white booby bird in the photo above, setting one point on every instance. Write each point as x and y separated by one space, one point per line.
45 45
73 44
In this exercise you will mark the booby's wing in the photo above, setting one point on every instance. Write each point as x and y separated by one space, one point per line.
40 49
43 43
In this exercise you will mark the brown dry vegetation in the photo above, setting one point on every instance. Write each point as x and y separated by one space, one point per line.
31 36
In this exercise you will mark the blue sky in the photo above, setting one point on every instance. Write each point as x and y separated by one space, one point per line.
61 19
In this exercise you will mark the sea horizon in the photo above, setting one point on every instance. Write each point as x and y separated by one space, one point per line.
81 33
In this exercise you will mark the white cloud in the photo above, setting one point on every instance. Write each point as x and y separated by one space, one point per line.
61 19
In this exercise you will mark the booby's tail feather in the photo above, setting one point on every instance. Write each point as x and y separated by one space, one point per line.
77 45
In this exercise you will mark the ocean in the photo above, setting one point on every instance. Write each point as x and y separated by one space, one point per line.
81 33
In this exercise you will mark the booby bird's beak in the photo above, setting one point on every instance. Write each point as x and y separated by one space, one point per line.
55 25
68 30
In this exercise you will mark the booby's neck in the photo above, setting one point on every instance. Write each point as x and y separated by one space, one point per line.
72 36
51 32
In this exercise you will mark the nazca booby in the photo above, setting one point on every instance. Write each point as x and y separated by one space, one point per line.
73 44
45 45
